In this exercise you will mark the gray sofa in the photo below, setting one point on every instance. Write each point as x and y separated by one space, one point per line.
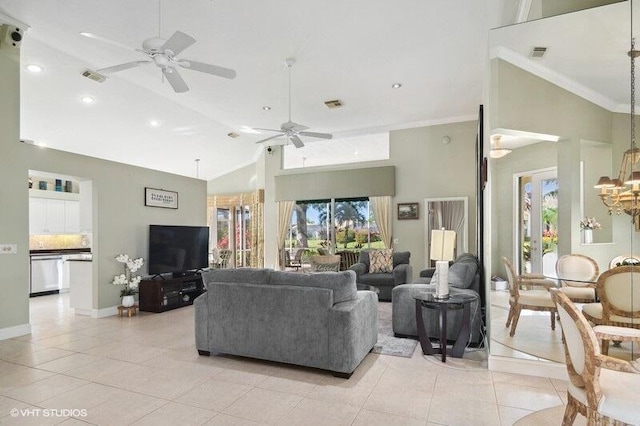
317 320
464 277
402 273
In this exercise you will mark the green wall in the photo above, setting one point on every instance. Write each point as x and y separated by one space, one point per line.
120 219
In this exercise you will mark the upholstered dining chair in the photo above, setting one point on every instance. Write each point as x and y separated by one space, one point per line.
619 293
519 299
584 270
601 388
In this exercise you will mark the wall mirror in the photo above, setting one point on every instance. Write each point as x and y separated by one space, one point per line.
595 161
449 213
564 81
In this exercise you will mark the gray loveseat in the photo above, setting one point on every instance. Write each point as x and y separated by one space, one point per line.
464 277
402 273
317 320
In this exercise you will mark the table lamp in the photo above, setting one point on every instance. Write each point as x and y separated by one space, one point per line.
443 243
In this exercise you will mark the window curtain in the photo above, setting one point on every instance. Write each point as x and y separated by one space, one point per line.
257 230
381 207
285 210
450 215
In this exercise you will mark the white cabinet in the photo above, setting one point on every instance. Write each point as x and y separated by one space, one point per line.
51 216
72 217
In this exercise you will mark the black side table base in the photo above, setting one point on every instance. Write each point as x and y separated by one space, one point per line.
457 350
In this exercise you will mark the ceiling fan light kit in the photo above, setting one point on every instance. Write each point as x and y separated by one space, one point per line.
292 131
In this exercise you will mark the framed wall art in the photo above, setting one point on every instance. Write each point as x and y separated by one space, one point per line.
160 198
408 211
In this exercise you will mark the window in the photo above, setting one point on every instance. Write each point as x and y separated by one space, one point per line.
346 224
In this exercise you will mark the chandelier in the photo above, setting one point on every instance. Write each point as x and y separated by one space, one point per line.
623 193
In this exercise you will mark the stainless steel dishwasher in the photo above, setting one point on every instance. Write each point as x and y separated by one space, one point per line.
46 275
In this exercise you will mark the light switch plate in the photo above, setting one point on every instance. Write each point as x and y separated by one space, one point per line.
396 241
8 248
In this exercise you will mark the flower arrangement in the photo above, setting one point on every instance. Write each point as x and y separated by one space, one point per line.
130 266
589 223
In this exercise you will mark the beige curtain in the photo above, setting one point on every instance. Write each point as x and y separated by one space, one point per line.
381 207
285 209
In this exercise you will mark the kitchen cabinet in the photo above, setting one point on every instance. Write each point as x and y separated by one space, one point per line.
53 216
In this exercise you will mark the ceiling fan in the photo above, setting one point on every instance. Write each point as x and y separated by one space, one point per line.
163 53
292 130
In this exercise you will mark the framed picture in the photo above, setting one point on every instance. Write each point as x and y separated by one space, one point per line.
160 198
408 211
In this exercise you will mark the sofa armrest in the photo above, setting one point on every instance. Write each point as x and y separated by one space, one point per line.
353 331
427 273
360 269
201 316
402 274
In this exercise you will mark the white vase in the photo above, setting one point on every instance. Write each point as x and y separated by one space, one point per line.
128 301
587 236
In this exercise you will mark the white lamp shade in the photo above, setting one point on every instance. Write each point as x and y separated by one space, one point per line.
443 244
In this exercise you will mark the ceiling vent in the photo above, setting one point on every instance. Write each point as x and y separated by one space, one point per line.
233 135
336 103
95 76
538 52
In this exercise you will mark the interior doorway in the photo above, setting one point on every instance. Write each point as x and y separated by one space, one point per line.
536 221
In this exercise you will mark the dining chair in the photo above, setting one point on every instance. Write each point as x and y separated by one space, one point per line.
584 270
624 260
519 298
601 388
618 290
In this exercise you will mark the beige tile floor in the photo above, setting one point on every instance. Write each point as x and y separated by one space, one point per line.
145 370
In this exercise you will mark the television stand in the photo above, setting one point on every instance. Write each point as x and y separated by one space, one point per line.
166 294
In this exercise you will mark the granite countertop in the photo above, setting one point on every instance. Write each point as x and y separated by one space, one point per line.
59 251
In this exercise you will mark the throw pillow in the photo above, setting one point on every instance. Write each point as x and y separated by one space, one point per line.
462 274
325 267
381 261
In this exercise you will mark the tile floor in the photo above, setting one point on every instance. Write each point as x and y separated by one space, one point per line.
144 370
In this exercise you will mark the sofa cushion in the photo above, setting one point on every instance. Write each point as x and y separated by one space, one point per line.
342 283
381 261
462 274
239 275
401 258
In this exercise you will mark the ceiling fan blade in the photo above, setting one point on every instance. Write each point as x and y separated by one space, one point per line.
269 138
297 142
122 67
316 135
208 68
178 42
175 80
267 130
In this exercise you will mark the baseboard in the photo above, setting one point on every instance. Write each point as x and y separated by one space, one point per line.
98 313
552 370
15 331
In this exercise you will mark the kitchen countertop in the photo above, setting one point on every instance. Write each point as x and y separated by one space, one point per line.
59 251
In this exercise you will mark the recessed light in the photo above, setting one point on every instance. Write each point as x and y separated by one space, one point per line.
396 85
266 108
247 129
154 123
88 99
34 68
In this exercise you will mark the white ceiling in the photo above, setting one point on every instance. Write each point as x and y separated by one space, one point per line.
348 50
586 52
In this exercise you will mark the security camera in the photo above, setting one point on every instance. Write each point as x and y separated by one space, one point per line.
269 150
11 35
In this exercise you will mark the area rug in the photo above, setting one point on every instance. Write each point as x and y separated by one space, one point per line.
548 416
388 344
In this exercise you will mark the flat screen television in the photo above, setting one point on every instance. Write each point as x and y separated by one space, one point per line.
178 249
